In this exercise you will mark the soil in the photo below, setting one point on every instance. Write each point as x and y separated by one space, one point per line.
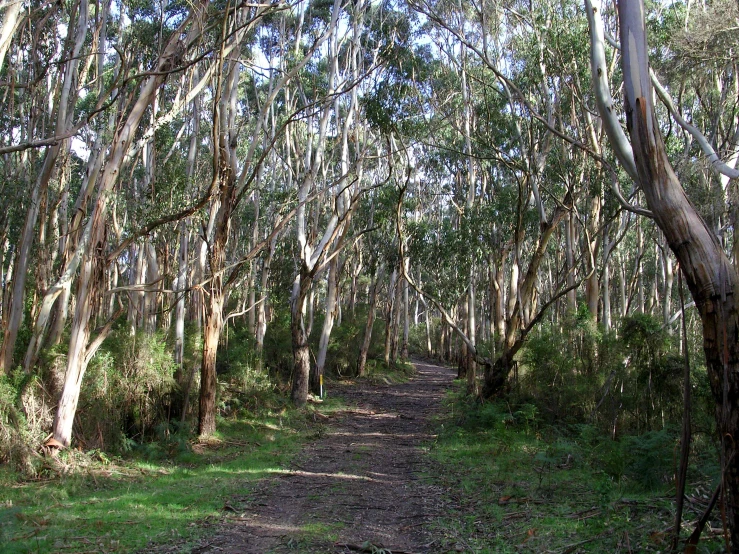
358 487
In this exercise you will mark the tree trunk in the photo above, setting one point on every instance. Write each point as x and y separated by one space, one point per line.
708 272
669 273
180 288
640 298
225 174
606 282
252 315
208 379
624 301
471 331
395 325
498 290
367 341
463 354
261 323
11 23
496 374
389 314
93 246
427 321
151 293
76 356
443 341
301 351
570 261
136 297
67 98
406 322
328 324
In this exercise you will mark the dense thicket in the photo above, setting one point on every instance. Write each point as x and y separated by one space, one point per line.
206 202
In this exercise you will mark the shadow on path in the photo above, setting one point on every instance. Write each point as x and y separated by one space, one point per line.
357 483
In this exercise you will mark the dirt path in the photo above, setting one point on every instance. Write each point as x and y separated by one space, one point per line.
356 484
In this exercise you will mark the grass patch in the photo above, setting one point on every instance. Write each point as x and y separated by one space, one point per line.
380 373
97 504
519 485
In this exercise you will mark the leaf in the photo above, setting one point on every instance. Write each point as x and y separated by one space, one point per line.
529 534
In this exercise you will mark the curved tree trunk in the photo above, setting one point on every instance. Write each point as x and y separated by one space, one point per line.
67 97
708 272
91 260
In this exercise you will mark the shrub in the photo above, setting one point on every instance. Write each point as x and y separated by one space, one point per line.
650 458
244 384
14 449
278 348
646 460
126 391
566 369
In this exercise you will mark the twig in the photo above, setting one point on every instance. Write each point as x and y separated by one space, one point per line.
367 547
685 439
692 542
628 542
572 547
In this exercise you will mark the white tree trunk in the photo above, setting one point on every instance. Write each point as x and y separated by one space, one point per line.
328 322
80 352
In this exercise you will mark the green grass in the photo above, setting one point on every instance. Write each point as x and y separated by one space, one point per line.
518 485
123 505
378 373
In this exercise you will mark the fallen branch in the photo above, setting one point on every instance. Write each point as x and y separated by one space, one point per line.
373 549
692 542
572 547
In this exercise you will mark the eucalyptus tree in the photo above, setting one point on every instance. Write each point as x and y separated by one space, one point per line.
517 94
710 275
234 177
349 126
60 123
89 255
333 176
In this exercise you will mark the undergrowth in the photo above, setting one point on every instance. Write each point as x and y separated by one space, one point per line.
522 484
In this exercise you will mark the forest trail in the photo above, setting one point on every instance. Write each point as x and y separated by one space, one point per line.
357 483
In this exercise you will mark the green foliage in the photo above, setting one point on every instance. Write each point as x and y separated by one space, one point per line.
278 349
519 483
245 384
378 372
564 369
25 417
417 340
346 342
645 462
126 391
14 439
643 335
651 457
393 103
577 373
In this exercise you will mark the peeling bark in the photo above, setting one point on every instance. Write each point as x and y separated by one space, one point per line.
709 273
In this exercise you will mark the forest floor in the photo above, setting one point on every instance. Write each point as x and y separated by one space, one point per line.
356 488
379 467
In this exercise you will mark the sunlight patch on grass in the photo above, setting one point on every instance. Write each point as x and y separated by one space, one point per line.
127 504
